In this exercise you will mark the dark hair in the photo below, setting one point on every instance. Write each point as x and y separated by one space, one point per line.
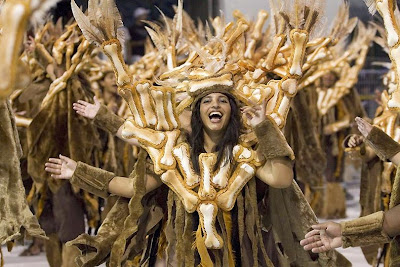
228 141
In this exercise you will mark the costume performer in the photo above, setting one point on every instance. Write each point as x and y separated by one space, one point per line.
202 186
376 228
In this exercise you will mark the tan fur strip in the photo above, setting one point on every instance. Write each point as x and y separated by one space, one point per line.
179 224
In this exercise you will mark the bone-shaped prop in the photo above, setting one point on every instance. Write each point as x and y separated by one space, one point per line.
167 160
145 136
239 30
189 199
130 96
166 117
208 213
14 17
277 43
226 198
143 89
207 162
299 40
385 8
113 50
256 34
182 156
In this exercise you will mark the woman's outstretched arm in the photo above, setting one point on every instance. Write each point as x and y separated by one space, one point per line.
96 180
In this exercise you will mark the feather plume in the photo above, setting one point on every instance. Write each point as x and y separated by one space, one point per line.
156 39
40 9
91 33
371 4
166 21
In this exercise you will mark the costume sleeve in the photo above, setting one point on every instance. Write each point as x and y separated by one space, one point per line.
107 120
271 141
364 231
384 146
92 179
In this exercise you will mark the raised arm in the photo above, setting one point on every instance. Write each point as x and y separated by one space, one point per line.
277 170
382 144
103 118
95 180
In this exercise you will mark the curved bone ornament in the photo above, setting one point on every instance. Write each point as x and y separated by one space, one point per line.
113 50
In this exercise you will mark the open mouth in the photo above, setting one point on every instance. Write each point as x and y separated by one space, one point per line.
215 116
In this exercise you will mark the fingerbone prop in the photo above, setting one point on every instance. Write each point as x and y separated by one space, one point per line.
182 156
113 50
299 40
208 213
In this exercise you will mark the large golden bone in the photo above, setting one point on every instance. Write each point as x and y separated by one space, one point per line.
278 106
207 162
256 34
145 136
14 18
299 40
226 198
143 89
277 43
113 50
189 198
182 156
208 213
164 102
167 160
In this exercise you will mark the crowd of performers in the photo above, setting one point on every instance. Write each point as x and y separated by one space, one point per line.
219 147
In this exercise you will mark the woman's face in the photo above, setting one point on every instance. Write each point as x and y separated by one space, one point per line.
215 111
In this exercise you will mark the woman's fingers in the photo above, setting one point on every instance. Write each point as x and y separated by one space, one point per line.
312 233
83 103
55 160
64 158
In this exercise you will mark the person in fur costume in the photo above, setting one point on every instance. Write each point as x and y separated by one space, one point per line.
224 179
376 228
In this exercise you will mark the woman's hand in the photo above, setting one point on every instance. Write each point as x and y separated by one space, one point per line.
62 168
86 109
324 237
255 114
363 126
355 140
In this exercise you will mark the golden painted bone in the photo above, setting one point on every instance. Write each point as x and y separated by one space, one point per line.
208 213
299 40
189 198
182 156
113 51
226 198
